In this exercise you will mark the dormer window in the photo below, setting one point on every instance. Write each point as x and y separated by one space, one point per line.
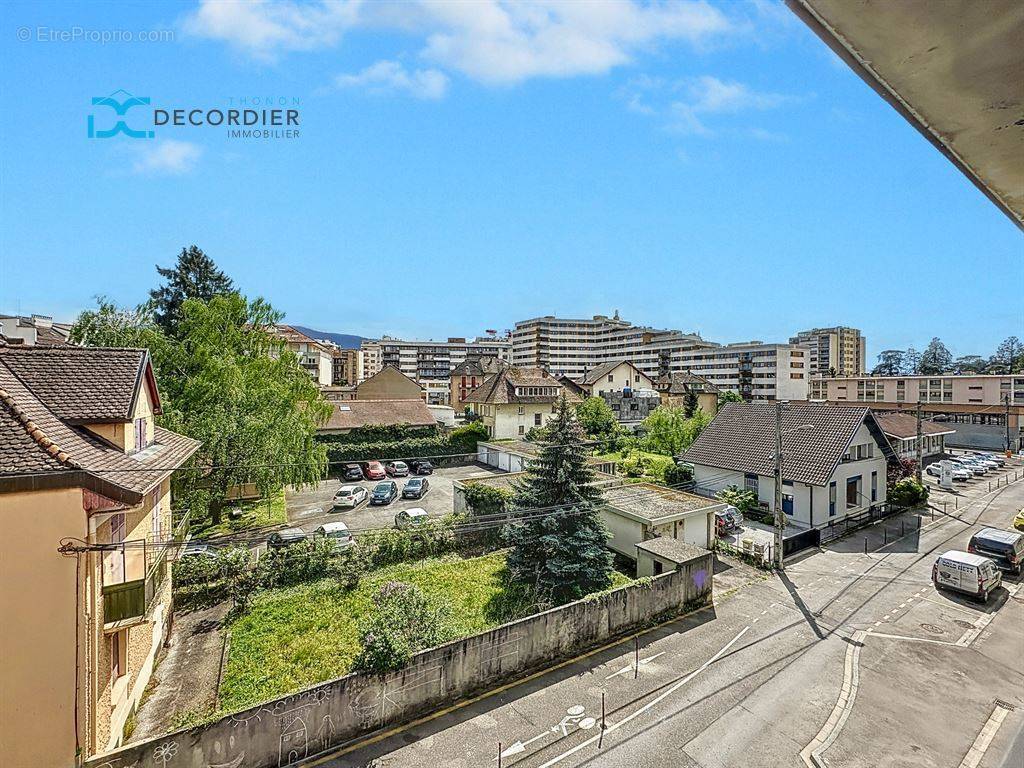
141 443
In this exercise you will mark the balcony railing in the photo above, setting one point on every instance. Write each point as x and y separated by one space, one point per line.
131 599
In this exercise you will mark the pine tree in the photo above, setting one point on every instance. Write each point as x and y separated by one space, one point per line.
562 554
195 276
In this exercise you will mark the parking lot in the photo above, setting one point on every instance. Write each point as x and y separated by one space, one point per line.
1014 467
311 508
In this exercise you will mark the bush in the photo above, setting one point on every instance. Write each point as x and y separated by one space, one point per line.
402 622
678 474
898 469
305 561
459 441
908 493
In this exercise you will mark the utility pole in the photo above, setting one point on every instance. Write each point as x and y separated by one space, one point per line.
1006 399
780 517
917 472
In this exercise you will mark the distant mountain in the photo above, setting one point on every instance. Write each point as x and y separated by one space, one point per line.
343 340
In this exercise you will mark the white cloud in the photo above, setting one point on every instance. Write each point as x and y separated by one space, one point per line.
708 95
390 76
166 156
264 29
491 41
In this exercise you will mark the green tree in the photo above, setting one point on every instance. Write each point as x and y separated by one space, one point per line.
911 362
231 385
667 430
194 276
890 363
560 553
245 397
935 359
596 417
1009 357
966 364
728 396
690 403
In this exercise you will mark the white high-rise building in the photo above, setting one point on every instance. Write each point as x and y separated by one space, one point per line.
573 347
756 370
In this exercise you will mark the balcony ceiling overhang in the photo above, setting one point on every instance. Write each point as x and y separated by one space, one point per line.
954 69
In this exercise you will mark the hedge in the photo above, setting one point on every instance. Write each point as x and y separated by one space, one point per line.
455 444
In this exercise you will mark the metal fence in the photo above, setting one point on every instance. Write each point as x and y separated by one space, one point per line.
851 523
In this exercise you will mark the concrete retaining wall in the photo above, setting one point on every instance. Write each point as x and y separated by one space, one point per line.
285 731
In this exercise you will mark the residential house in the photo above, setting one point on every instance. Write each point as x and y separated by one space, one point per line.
639 512
354 414
470 374
513 401
85 498
833 458
35 330
901 429
676 388
614 376
315 356
389 383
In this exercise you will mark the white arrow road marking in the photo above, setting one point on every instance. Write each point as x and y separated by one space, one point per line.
651 703
520 746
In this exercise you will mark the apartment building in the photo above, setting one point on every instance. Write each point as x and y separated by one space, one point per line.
83 467
837 351
757 371
431 363
980 407
316 357
346 366
571 347
370 360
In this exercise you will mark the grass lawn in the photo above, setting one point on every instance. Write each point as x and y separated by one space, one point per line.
296 637
255 514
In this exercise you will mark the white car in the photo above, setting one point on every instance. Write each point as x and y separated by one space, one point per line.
989 457
971 466
959 473
349 496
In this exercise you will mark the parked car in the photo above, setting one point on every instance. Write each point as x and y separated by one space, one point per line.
337 532
724 523
351 472
286 537
397 469
735 515
966 572
411 518
1005 548
999 460
384 493
421 467
985 461
1018 521
198 550
350 496
970 466
415 488
373 470
959 473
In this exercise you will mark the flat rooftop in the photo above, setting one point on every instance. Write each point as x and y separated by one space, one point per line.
652 503
671 549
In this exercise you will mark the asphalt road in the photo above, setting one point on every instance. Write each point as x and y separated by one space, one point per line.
845 660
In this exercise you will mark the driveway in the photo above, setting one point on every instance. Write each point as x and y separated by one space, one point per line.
311 508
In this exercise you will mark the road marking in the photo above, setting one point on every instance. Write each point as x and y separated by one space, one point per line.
520 746
629 667
971 635
651 703
812 753
988 732
915 639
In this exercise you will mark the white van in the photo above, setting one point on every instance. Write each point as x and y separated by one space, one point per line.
966 572
411 518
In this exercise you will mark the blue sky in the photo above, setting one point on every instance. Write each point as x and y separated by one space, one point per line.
463 166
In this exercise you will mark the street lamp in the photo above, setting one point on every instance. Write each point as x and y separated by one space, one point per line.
780 516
